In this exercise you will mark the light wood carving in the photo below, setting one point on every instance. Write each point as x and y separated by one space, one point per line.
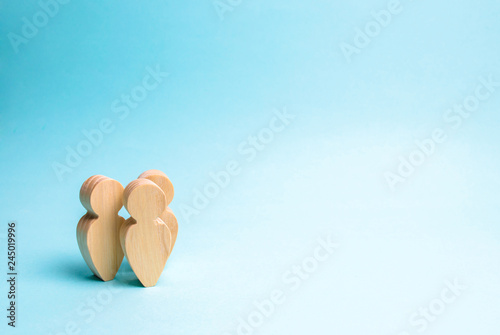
98 230
167 216
144 237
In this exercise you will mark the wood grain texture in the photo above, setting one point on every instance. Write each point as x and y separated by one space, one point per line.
167 216
98 231
144 237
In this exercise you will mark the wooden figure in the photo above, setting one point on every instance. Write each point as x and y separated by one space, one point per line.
144 237
98 231
167 216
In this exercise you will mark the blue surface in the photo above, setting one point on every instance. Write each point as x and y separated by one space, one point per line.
230 69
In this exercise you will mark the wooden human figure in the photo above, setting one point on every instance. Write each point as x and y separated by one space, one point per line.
167 216
98 231
144 237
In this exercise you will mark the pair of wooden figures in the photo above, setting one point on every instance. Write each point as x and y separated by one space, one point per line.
146 238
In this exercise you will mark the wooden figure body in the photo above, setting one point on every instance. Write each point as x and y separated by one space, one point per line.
98 231
167 216
144 237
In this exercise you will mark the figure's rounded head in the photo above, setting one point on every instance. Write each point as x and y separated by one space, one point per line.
160 179
100 194
144 200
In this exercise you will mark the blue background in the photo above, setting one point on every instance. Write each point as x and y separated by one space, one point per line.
324 174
